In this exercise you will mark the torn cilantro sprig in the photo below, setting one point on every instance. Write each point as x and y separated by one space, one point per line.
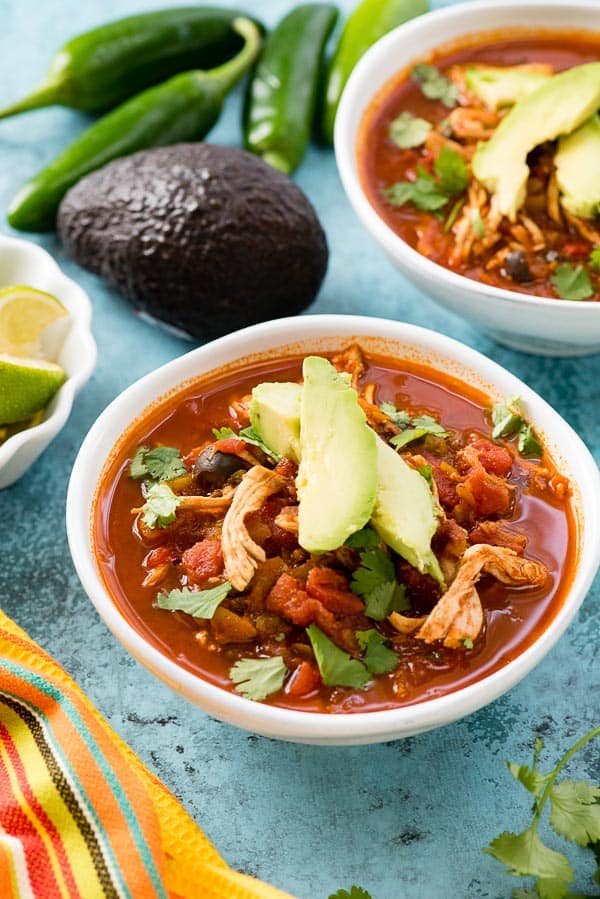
375 579
406 130
435 85
337 668
412 428
160 508
572 282
574 815
258 678
508 421
354 893
159 464
248 435
378 657
198 603
431 192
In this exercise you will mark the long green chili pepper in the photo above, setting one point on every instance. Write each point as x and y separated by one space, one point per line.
283 92
101 68
184 108
370 20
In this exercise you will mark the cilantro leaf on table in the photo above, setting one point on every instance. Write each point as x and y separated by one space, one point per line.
428 192
407 130
198 603
574 815
378 657
159 464
355 893
572 282
160 508
508 420
337 668
435 85
258 678
366 538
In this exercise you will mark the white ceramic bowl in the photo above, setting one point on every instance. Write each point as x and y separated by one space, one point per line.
313 334
22 262
533 324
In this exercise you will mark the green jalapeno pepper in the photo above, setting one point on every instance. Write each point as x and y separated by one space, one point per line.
184 108
101 68
283 92
370 20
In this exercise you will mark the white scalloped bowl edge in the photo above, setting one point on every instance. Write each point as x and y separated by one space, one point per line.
308 334
540 325
22 262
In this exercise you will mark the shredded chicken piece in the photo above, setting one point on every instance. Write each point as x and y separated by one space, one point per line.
287 519
351 361
434 142
378 420
404 624
240 553
469 123
458 615
584 228
369 393
553 200
539 241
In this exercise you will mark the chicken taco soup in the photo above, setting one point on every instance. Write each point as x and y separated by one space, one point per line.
335 533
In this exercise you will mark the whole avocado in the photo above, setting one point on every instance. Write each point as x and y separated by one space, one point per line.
206 239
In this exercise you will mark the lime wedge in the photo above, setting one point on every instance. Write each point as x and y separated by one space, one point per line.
32 323
26 386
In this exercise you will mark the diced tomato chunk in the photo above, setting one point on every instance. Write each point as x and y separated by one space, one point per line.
305 679
331 588
446 488
286 469
159 556
230 446
289 599
203 560
487 493
495 458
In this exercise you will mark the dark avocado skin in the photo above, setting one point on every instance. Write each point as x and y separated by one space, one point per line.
206 239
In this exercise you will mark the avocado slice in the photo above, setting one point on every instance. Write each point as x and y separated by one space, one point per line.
275 417
406 514
337 478
558 107
577 170
500 86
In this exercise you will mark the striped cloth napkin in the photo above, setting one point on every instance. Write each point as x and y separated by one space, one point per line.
80 815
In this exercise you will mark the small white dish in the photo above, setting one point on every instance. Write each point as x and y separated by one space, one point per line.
309 334
549 327
22 262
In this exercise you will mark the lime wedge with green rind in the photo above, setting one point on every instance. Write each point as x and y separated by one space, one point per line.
30 322
26 386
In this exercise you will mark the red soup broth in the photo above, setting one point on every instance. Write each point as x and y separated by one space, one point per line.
514 617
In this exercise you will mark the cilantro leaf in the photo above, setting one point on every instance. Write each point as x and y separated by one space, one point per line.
531 778
398 416
337 668
198 603
452 170
422 193
378 658
435 85
527 442
524 854
385 599
426 471
375 569
366 538
224 433
137 468
250 436
160 507
594 259
507 420
406 130
408 436
355 893
575 811
258 678
159 464
572 282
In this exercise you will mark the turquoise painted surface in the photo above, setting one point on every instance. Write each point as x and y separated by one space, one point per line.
407 820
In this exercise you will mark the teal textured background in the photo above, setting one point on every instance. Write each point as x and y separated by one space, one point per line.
406 820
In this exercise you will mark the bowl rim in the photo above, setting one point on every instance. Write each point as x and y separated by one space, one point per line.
274 721
345 134
79 306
